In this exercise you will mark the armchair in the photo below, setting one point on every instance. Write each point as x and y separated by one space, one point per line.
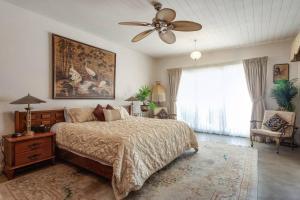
287 132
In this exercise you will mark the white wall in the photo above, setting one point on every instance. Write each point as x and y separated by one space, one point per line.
277 53
25 62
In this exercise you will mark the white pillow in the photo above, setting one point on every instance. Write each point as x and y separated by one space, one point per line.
124 113
112 115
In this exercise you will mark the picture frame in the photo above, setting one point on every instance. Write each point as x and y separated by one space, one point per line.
82 71
280 72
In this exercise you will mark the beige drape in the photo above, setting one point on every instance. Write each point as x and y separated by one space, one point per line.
174 80
256 72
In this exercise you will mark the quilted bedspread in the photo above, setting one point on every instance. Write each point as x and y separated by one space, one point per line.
135 147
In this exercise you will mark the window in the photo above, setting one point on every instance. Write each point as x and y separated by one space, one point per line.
215 99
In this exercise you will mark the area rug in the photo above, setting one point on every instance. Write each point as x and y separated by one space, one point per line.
217 171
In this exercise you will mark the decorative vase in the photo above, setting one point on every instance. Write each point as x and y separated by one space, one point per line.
144 108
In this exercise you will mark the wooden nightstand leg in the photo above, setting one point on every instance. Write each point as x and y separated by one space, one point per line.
53 161
9 173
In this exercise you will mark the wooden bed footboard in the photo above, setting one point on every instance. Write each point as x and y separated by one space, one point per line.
86 163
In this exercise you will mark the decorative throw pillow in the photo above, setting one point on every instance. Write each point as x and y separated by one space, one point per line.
98 112
275 123
111 115
81 114
124 113
109 107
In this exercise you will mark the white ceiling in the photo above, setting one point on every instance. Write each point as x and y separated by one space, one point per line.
226 23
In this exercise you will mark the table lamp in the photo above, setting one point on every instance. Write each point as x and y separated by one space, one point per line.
28 100
158 93
132 99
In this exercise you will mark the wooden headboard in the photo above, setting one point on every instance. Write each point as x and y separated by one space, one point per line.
43 117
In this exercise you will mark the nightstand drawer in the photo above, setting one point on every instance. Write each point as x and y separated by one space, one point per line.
33 145
32 156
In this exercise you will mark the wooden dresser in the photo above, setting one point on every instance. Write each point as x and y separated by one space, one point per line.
27 150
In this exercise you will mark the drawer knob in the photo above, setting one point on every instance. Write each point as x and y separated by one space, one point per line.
33 157
34 146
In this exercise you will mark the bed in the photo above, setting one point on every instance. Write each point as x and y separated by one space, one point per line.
126 151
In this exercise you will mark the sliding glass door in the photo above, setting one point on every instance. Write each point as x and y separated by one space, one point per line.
215 99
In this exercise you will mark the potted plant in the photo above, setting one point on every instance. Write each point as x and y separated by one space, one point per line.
284 92
143 96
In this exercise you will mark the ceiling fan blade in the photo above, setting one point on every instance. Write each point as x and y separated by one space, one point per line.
186 26
166 14
142 35
135 23
168 37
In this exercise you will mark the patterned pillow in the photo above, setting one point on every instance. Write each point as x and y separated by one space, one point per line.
275 123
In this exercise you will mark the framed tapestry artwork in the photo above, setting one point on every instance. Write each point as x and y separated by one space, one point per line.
82 71
280 72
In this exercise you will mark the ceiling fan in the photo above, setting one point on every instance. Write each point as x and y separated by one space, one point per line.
163 23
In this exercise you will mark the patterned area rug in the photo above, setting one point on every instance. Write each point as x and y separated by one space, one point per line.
217 171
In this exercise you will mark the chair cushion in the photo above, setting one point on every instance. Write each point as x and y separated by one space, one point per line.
265 132
275 123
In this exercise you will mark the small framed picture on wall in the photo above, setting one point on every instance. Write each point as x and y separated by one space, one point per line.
280 72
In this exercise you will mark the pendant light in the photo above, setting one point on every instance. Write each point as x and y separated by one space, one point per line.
196 55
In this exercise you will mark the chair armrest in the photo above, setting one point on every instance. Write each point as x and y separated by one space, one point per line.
287 126
172 116
253 123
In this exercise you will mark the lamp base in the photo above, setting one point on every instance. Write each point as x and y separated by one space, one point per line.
29 133
17 134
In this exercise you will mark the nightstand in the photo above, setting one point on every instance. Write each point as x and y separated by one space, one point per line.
27 150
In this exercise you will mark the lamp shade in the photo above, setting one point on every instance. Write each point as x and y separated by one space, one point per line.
28 100
158 93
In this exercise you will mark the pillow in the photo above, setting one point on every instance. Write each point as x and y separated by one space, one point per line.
109 107
111 115
81 114
67 116
124 113
98 112
275 123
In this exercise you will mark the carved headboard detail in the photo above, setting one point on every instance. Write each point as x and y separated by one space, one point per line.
43 117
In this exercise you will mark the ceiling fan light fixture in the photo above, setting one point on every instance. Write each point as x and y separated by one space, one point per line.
196 55
164 24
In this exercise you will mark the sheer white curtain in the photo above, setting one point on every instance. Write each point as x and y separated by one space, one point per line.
215 99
